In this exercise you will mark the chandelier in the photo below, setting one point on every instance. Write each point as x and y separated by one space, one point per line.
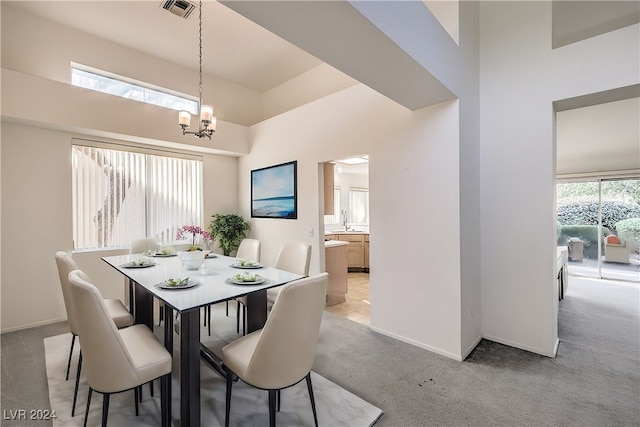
207 119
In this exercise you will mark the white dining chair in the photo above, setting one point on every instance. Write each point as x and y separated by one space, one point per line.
141 246
294 257
115 309
249 250
280 354
116 360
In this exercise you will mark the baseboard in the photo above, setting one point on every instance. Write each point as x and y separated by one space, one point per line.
471 348
436 350
520 346
32 325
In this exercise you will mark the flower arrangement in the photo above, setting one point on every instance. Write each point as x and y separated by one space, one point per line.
194 231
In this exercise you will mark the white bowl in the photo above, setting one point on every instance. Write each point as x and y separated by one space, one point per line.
192 260
192 264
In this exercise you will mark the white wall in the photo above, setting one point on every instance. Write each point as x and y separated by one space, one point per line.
520 77
37 222
413 179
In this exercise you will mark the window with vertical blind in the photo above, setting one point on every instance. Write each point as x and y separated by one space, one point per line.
121 195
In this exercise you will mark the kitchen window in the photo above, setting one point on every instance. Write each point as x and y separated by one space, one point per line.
123 194
359 206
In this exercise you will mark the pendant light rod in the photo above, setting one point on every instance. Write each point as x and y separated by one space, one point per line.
207 119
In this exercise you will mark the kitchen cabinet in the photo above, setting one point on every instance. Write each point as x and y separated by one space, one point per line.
366 252
357 249
329 208
336 265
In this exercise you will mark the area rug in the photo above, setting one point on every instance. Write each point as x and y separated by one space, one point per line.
335 405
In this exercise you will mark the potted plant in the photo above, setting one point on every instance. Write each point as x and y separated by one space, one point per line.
193 257
229 230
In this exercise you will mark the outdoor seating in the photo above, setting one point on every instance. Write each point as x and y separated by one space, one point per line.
616 250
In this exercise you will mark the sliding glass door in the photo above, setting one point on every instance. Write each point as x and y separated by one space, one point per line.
600 222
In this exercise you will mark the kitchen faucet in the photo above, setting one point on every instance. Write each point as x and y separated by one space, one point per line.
344 220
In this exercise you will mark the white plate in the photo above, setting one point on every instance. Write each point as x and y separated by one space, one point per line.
247 266
165 285
145 265
243 282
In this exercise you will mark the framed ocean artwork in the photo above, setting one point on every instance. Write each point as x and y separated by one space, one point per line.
274 191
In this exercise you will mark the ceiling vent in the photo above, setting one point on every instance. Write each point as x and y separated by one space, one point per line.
182 8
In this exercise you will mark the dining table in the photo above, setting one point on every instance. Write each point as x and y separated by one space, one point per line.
157 276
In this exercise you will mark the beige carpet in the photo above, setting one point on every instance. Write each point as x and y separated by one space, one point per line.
335 406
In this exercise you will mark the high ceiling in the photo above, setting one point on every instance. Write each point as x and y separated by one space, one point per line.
234 48
240 51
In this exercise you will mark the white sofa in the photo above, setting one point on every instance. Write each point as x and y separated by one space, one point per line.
616 250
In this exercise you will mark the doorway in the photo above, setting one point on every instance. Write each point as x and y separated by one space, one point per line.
349 222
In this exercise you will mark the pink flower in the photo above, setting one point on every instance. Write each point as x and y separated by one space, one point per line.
194 231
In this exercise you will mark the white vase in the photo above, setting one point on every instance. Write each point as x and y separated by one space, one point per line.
192 260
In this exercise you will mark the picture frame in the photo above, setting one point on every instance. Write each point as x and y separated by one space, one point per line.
274 191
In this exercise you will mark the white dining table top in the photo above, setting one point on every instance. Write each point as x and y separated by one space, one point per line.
213 285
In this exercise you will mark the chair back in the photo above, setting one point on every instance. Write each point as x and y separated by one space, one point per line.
294 257
287 343
140 246
249 250
66 265
108 364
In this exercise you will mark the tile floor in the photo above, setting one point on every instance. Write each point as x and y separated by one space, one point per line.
356 306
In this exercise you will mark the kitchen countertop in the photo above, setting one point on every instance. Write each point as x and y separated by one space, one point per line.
345 232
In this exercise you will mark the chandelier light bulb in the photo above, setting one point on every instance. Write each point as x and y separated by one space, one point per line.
206 114
184 118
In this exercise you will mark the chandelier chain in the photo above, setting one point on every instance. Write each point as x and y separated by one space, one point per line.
207 122
200 47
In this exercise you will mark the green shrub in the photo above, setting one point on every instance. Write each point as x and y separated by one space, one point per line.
585 211
587 233
629 230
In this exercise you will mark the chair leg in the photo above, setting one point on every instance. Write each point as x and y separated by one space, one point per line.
73 341
209 318
272 407
136 396
227 302
75 390
150 390
105 409
86 412
313 400
227 408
